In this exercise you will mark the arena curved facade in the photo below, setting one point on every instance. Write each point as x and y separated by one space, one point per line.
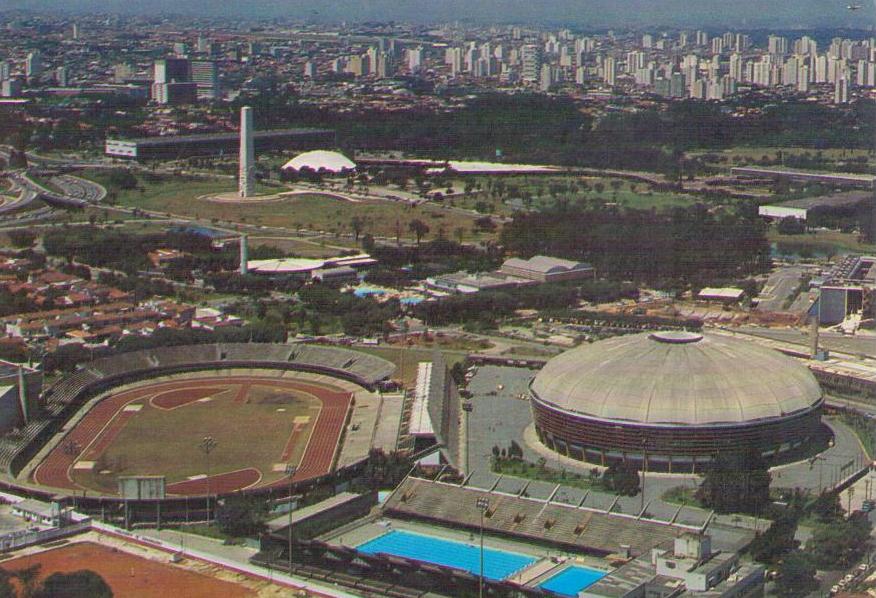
670 401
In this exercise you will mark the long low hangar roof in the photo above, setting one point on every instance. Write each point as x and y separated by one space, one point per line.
220 137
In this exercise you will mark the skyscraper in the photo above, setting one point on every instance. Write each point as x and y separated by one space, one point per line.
841 91
206 76
247 153
33 64
531 62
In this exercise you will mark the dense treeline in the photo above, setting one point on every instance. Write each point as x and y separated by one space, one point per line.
358 316
484 309
643 245
557 131
126 252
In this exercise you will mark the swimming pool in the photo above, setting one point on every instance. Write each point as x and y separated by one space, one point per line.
498 564
367 291
572 580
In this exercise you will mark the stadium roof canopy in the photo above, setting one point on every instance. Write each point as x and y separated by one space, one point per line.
676 378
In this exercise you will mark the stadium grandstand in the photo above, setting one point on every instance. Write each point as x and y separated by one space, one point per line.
435 409
66 398
426 528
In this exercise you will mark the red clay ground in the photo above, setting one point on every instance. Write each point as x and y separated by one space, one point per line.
312 445
127 574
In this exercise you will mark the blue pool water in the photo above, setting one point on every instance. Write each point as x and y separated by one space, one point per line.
410 300
498 564
366 291
572 580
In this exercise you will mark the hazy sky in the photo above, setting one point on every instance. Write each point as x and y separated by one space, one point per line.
596 13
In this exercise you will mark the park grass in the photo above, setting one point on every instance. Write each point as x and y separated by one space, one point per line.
832 157
299 247
682 495
406 360
823 241
630 194
182 196
533 471
165 442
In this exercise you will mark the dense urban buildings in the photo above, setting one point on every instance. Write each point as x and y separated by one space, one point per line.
575 308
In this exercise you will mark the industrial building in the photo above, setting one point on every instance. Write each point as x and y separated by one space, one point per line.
848 293
815 209
670 401
216 144
547 269
840 179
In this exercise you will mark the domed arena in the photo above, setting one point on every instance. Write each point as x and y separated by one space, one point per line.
670 401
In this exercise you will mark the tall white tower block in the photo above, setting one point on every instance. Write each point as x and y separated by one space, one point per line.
247 154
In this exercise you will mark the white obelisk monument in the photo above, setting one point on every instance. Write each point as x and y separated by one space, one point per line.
247 154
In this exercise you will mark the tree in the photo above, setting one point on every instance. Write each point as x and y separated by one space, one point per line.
78 584
358 225
419 228
736 483
242 515
622 478
21 238
796 575
840 543
777 541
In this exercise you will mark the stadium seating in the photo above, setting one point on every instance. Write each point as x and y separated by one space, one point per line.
579 528
66 396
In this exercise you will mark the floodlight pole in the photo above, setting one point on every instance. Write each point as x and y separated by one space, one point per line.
467 408
644 472
290 471
208 443
483 504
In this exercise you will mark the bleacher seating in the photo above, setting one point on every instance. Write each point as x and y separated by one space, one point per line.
67 395
577 528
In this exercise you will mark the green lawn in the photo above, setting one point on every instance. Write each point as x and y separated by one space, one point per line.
406 359
532 471
312 211
545 191
823 241
165 442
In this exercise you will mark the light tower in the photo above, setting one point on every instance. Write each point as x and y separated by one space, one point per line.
244 255
247 153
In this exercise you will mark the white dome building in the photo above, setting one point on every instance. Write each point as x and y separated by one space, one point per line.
678 396
321 161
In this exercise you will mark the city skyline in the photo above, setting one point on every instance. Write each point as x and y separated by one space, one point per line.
591 13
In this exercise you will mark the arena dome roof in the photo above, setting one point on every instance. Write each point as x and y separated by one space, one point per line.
676 378
321 160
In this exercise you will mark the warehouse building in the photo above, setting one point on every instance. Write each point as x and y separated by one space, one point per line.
215 144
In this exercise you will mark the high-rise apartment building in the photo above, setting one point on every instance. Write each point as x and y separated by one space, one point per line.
205 75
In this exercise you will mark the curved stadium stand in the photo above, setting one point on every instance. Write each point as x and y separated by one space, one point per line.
65 397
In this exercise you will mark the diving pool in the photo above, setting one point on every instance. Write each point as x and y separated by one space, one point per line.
572 580
498 564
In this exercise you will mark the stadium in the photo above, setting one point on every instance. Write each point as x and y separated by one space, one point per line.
152 435
670 401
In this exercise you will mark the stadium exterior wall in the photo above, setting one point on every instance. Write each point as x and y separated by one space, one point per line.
671 448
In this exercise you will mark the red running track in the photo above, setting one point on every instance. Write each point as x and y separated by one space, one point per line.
318 458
